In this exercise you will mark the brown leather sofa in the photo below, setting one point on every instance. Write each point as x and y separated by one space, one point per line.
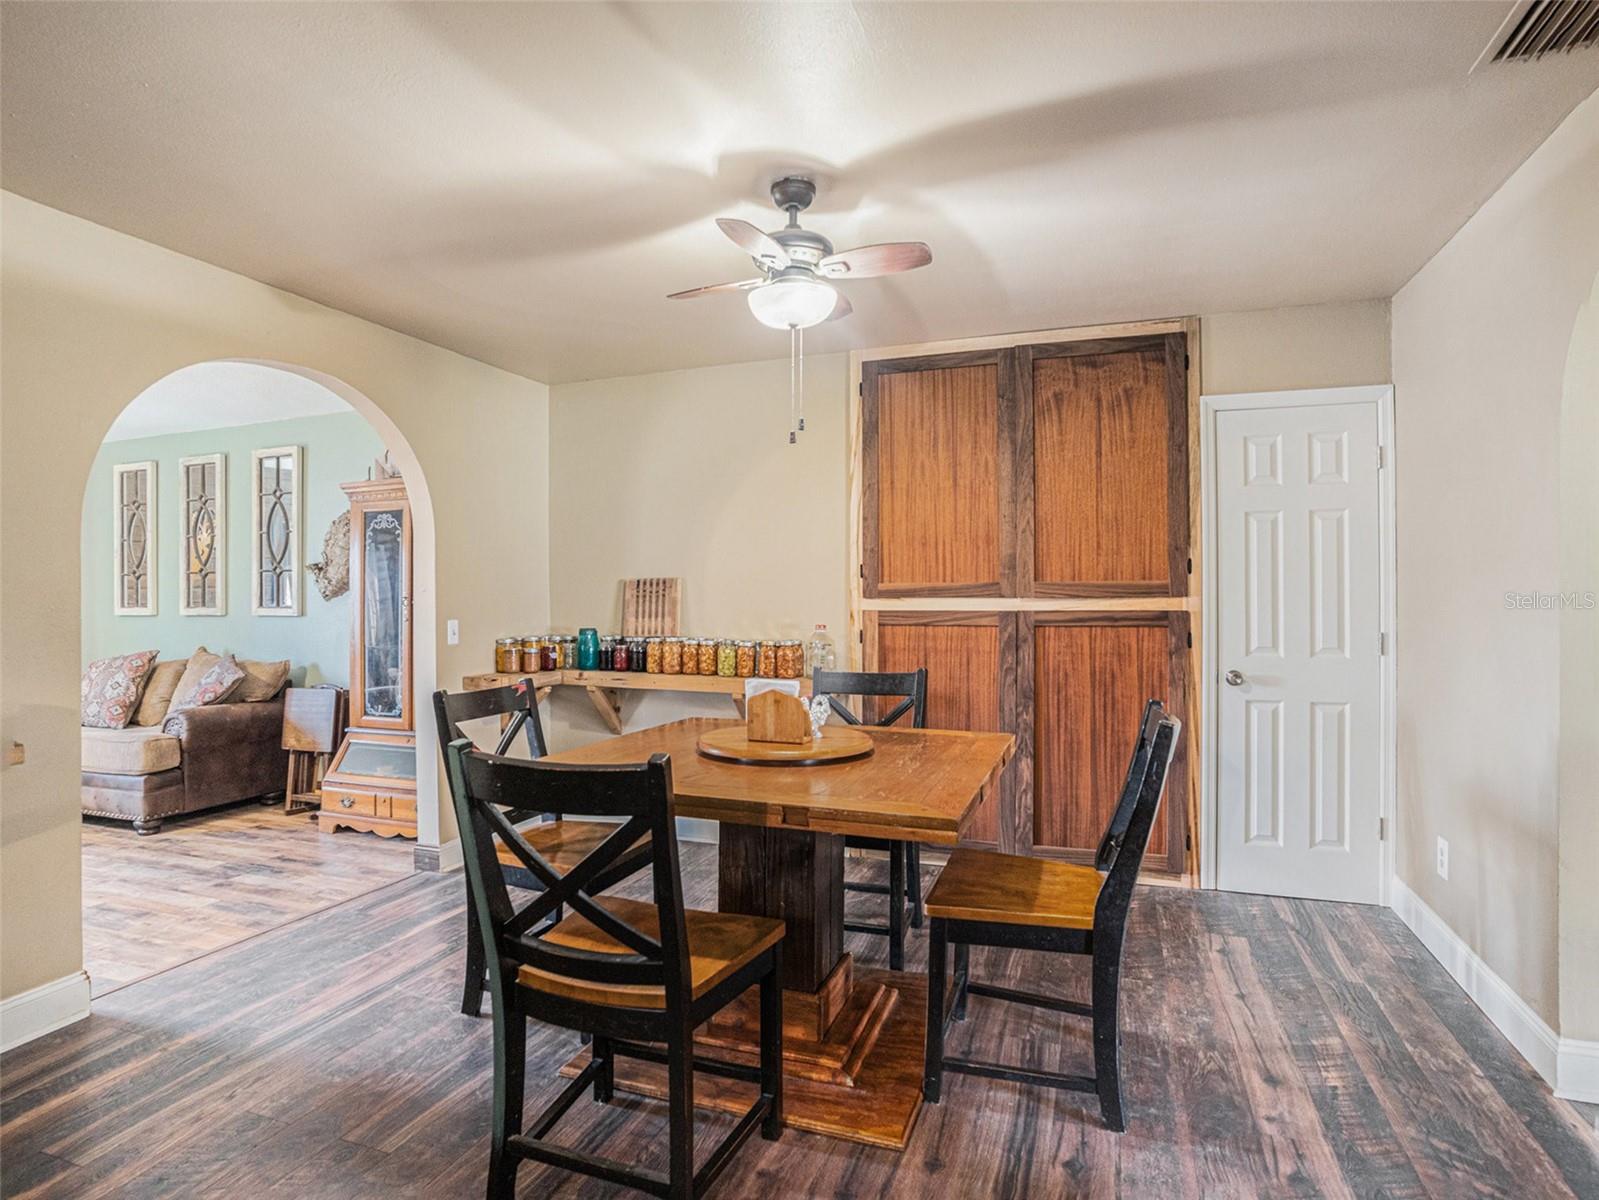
196 759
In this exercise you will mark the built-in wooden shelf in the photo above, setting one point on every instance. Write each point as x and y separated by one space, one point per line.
604 687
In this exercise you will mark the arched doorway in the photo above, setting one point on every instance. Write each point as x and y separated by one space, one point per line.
231 411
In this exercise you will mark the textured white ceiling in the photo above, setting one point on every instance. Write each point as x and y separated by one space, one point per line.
216 395
525 182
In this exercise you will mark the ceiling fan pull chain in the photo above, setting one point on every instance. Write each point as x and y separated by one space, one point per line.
793 361
801 333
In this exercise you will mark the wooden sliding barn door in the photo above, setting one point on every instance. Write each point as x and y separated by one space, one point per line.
1087 676
971 660
1024 535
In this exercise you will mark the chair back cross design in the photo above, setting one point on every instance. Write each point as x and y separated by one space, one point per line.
911 686
517 706
491 784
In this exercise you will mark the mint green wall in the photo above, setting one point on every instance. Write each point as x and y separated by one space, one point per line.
338 448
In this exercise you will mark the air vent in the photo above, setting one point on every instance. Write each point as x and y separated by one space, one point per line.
1545 27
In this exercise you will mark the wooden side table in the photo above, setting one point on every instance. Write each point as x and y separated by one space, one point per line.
313 721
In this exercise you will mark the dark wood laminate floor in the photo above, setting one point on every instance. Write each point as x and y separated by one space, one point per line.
1275 1048
212 879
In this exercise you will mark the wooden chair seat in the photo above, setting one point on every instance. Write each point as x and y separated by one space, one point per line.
562 844
718 945
1009 889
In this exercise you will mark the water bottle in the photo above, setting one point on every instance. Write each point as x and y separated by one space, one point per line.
821 651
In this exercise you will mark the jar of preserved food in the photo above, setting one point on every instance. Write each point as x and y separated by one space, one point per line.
790 660
726 659
507 655
671 656
707 656
745 659
620 658
531 648
652 655
636 660
607 655
550 654
766 660
588 649
690 657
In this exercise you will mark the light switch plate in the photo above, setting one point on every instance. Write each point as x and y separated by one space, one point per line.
452 633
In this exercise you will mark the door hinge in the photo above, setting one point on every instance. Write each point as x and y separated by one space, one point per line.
1190 639
1190 566
1382 829
1188 841
1380 457
1187 362
863 570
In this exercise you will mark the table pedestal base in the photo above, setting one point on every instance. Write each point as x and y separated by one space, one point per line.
861 1082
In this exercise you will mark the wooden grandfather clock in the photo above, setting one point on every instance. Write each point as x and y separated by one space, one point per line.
371 785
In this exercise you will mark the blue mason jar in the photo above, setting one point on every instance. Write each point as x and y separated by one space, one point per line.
588 650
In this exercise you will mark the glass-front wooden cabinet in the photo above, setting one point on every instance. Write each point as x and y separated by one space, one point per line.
372 782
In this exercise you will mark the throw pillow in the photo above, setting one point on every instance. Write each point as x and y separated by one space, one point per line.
110 688
158 691
262 680
208 679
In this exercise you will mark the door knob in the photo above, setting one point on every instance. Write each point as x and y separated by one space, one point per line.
1234 678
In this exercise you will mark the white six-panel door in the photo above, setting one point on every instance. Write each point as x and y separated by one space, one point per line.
1298 612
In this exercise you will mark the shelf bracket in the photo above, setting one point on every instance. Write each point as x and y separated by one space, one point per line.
608 704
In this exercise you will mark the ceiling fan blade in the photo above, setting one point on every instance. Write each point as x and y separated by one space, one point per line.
840 310
762 247
743 285
885 258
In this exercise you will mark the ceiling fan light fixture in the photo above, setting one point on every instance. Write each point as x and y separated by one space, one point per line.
793 302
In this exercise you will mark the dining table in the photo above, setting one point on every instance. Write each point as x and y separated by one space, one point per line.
853 1034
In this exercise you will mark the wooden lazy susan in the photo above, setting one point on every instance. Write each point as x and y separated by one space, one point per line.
837 743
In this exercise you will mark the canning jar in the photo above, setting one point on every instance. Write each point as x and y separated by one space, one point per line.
652 655
619 654
690 648
530 654
766 660
707 656
745 659
726 659
550 654
507 655
790 660
671 656
636 660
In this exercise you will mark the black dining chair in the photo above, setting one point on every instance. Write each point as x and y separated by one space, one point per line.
637 976
983 898
904 858
561 843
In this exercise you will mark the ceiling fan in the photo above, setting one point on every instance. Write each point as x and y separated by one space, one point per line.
798 267
794 290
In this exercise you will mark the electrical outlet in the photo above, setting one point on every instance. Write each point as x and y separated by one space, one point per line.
1443 859
452 633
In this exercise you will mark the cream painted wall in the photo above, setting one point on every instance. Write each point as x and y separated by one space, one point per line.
689 473
88 319
1314 346
1481 342
1578 771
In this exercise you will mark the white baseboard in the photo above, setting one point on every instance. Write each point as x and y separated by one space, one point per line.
1511 1015
451 857
1569 1066
1579 1071
41 1010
